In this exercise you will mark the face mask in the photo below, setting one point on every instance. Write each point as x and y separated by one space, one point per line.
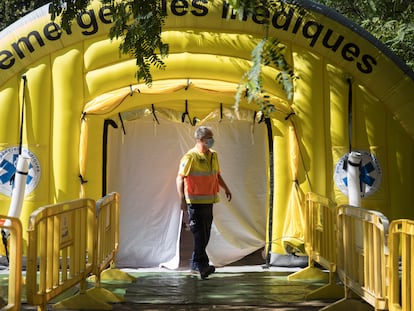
209 142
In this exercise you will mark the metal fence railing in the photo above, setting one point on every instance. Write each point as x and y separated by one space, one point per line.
61 250
107 246
11 228
362 257
320 245
401 260
72 241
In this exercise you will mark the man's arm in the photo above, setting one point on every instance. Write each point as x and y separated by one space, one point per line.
180 190
224 186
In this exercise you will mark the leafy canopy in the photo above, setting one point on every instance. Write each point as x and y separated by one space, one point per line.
12 10
390 21
138 23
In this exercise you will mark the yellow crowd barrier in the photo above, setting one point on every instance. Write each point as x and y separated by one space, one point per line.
70 242
61 250
13 227
320 245
107 236
107 210
401 281
362 257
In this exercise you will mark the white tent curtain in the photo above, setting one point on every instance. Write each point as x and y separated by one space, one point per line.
142 167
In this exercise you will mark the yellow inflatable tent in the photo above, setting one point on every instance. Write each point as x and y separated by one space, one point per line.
71 104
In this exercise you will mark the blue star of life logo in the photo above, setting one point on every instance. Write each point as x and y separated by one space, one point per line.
8 163
364 176
370 174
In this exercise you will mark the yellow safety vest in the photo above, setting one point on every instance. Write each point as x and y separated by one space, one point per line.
200 171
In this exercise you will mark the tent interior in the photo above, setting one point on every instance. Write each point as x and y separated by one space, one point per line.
99 130
147 131
143 164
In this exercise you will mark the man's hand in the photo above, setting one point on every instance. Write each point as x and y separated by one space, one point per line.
180 189
184 206
224 186
228 195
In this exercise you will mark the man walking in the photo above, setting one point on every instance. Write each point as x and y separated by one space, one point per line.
198 184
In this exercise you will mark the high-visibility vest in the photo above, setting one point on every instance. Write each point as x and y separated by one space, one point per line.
200 172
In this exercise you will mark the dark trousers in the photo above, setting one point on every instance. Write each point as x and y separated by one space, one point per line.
200 218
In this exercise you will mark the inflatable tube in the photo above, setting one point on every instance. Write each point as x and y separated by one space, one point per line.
282 180
313 117
9 131
179 66
19 187
354 192
67 68
212 93
101 52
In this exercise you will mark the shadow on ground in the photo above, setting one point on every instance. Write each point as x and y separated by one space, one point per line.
180 290
249 287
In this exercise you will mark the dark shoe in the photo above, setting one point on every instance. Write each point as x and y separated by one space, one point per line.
205 272
194 273
193 269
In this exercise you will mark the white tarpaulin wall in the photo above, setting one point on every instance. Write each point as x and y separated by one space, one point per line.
142 167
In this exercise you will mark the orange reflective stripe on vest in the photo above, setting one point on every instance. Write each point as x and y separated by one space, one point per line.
200 173
201 188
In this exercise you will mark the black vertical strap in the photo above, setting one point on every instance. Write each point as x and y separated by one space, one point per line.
122 123
22 116
271 188
350 112
107 122
187 114
5 239
154 114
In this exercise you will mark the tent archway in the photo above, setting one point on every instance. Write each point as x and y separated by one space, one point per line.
148 193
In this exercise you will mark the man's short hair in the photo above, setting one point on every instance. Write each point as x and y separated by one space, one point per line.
202 131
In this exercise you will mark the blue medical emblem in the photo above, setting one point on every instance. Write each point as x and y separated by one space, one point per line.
370 174
8 162
364 175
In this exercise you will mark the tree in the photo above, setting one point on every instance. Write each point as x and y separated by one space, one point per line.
137 23
12 10
390 21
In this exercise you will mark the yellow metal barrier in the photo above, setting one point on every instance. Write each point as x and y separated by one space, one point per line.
320 245
107 209
401 287
362 257
13 226
61 251
107 235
